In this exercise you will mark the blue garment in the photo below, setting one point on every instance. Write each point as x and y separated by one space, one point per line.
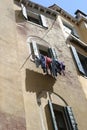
53 68
60 67
43 63
57 67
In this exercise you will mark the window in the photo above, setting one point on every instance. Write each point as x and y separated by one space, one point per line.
46 58
80 60
62 117
37 49
69 30
33 17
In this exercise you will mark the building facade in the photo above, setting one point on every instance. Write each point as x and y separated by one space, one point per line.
43 67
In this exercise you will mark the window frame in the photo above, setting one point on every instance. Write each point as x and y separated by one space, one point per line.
36 47
78 60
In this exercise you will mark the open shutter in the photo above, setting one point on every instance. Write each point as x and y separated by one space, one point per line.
52 53
36 53
43 20
52 115
24 11
76 57
71 118
35 49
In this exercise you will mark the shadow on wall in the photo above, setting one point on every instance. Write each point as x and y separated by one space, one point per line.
37 82
19 17
18 13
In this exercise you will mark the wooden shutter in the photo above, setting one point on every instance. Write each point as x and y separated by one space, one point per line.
70 115
43 20
52 53
52 115
77 60
24 11
35 53
35 49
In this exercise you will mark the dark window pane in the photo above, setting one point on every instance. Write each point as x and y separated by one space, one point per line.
43 52
33 20
60 120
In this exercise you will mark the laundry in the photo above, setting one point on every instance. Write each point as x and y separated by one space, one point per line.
53 68
43 63
49 65
60 67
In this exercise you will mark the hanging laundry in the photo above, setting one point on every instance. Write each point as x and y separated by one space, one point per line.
53 68
60 67
48 64
48 61
43 63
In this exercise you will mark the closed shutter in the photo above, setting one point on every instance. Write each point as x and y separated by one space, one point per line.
43 20
76 57
52 115
24 11
52 53
71 118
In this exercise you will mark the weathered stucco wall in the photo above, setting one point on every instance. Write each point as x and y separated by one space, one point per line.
34 81
12 115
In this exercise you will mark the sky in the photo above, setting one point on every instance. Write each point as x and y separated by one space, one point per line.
68 5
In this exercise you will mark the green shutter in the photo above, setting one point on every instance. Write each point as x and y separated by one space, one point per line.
35 49
77 60
35 53
70 115
52 115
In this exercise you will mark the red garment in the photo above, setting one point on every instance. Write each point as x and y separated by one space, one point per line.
48 61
